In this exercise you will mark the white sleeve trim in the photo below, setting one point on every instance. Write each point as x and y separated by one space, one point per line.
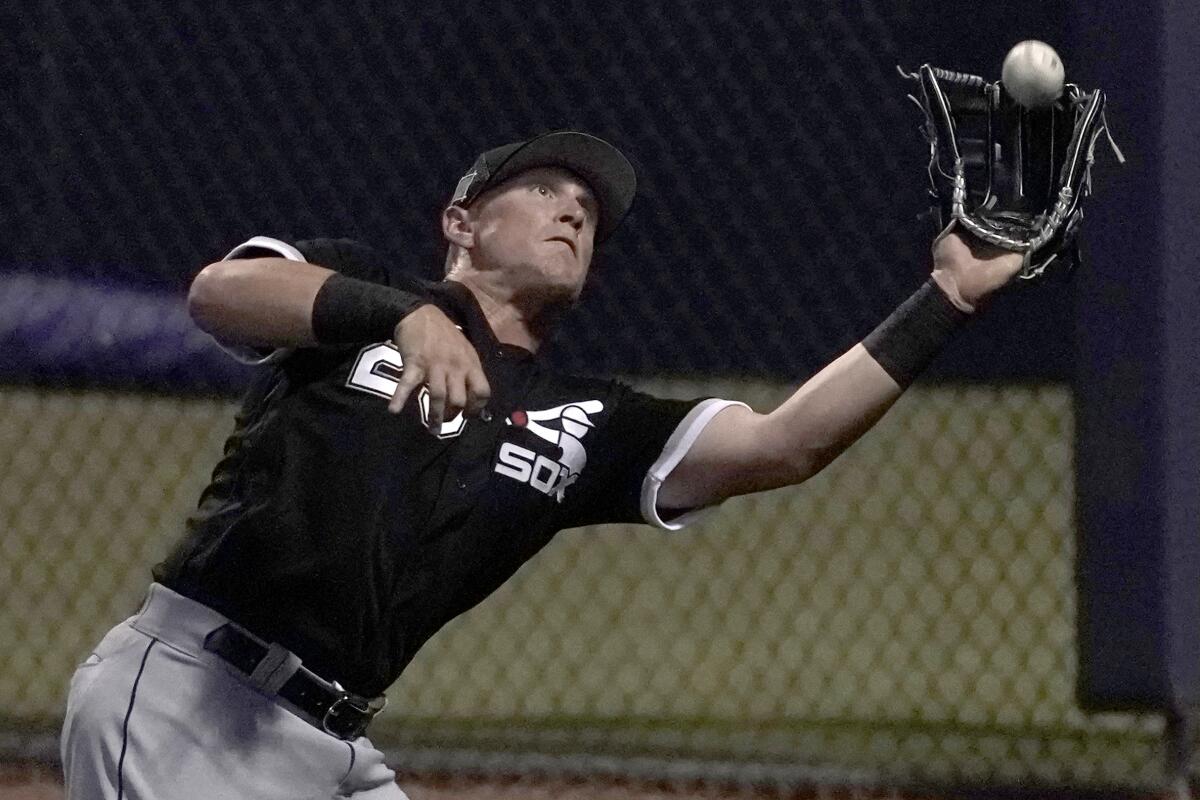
249 355
676 448
266 243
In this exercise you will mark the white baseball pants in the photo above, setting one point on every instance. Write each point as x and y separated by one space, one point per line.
151 714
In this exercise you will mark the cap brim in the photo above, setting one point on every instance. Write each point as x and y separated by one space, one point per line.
604 168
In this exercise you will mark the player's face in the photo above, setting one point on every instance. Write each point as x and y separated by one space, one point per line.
537 231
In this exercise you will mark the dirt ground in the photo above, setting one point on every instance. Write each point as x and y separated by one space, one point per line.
39 782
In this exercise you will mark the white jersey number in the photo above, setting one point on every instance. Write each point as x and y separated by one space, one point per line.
377 371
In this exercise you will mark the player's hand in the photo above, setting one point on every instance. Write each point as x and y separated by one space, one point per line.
968 270
436 353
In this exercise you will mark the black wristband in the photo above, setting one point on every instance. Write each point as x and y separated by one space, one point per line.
347 310
908 340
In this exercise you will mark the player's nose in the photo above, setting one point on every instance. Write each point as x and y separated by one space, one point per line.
572 214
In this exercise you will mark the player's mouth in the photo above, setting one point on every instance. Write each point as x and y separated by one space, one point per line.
565 241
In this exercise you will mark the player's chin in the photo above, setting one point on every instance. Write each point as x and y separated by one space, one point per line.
559 289
567 293
563 278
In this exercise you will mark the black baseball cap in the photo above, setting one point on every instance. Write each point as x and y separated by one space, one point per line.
601 165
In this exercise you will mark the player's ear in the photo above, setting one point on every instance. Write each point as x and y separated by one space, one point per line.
458 226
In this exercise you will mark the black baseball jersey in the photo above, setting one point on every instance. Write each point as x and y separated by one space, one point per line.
350 535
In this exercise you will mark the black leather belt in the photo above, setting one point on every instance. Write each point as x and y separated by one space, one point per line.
276 670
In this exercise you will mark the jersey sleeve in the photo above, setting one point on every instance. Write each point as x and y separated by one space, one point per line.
641 443
351 258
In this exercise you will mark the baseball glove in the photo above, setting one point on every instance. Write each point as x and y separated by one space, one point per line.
1014 177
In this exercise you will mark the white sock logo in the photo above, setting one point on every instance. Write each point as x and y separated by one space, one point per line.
564 426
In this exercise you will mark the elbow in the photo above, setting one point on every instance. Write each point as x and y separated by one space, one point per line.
810 462
782 460
755 455
772 470
797 461
205 296
801 464
815 453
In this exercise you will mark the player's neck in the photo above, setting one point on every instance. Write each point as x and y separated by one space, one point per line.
524 324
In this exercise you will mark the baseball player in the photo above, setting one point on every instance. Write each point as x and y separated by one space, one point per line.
402 452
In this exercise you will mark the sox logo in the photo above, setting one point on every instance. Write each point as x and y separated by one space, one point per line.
565 426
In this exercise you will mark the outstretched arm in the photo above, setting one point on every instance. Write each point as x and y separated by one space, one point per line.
741 451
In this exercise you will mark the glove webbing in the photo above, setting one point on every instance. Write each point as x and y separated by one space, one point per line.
1063 207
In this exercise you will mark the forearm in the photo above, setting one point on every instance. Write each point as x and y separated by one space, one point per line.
742 452
832 410
275 302
260 302
827 414
845 399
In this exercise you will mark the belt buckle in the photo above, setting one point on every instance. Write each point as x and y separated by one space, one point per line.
350 728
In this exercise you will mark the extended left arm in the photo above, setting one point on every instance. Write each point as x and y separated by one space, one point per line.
741 451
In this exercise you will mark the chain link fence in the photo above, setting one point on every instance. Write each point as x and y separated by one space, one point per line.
906 618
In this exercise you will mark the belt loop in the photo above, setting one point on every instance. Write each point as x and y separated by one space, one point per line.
273 671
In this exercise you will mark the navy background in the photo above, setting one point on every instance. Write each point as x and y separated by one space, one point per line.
781 179
781 168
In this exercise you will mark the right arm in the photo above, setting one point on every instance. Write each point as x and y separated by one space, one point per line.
258 302
269 303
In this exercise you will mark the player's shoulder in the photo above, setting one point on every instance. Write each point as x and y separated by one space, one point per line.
560 382
350 257
338 247
357 259
563 388
626 404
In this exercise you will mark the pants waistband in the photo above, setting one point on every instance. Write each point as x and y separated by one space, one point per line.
177 620
189 626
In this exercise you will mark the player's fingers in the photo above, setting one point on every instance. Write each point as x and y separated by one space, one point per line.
456 393
435 381
411 379
479 392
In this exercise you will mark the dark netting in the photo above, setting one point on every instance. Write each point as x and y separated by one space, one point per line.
905 619
780 164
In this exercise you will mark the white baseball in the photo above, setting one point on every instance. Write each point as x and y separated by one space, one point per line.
1033 73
